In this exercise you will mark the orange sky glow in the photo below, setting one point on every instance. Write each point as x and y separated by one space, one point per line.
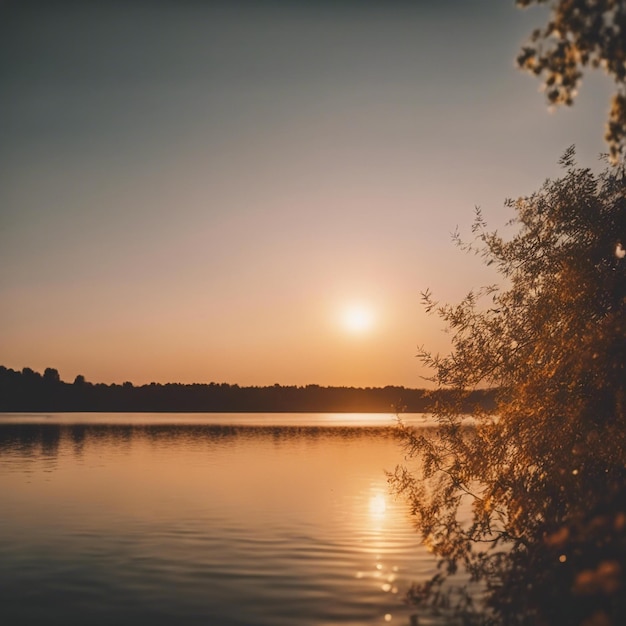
197 192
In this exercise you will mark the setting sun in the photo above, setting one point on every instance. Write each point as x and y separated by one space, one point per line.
357 319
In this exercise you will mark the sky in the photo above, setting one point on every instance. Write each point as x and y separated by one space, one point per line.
257 192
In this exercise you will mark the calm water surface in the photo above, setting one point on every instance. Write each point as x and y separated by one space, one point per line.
203 519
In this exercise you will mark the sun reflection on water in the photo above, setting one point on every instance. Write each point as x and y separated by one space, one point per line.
378 506
381 573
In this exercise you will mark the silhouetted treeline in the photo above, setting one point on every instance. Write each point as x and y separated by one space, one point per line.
31 391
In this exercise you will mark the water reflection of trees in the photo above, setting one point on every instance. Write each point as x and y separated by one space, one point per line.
45 440
30 440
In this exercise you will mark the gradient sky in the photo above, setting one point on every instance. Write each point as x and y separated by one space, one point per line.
194 191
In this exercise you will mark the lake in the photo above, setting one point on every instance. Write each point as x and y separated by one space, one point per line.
225 519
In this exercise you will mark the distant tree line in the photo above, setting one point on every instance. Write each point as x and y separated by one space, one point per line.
27 390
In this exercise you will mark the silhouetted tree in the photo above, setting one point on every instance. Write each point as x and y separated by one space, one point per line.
29 391
51 375
532 499
30 375
581 33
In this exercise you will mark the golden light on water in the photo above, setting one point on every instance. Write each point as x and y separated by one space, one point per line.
378 506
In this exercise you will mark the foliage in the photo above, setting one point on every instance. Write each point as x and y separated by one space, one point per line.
531 500
30 391
581 33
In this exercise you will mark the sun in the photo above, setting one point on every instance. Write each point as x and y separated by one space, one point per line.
357 318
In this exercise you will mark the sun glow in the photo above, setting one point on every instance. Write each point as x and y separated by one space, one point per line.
357 319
